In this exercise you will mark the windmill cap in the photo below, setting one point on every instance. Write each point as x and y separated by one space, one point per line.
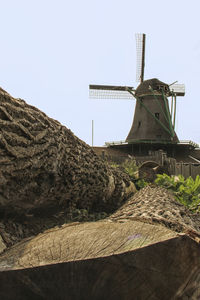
154 84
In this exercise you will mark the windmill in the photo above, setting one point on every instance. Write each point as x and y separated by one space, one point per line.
154 120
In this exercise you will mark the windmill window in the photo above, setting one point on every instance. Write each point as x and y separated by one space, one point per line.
162 87
157 115
139 124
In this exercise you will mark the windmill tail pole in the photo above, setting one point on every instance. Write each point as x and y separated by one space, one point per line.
174 120
47 171
168 114
171 112
92 133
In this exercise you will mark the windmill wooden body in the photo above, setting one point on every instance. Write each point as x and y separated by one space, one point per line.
154 119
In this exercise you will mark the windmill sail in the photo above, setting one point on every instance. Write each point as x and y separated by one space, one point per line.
140 51
177 89
110 92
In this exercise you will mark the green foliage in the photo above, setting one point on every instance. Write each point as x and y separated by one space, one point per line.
186 191
113 165
141 183
130 167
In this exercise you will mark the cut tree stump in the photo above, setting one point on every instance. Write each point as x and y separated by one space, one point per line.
130 255
102 260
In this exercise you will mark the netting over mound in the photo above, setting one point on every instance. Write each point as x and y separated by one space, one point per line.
157 205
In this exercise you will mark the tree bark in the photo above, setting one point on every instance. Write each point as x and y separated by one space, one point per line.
48 176
43 165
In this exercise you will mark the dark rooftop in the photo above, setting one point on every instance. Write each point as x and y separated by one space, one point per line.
154 83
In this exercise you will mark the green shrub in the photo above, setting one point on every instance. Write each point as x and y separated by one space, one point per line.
186 191
141 183
129 166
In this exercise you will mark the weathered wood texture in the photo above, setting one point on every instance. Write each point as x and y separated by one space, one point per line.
102 260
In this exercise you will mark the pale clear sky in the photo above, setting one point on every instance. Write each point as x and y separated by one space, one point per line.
51 50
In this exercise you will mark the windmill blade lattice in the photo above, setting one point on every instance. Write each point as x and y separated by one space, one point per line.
177 89
140 52
110 92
